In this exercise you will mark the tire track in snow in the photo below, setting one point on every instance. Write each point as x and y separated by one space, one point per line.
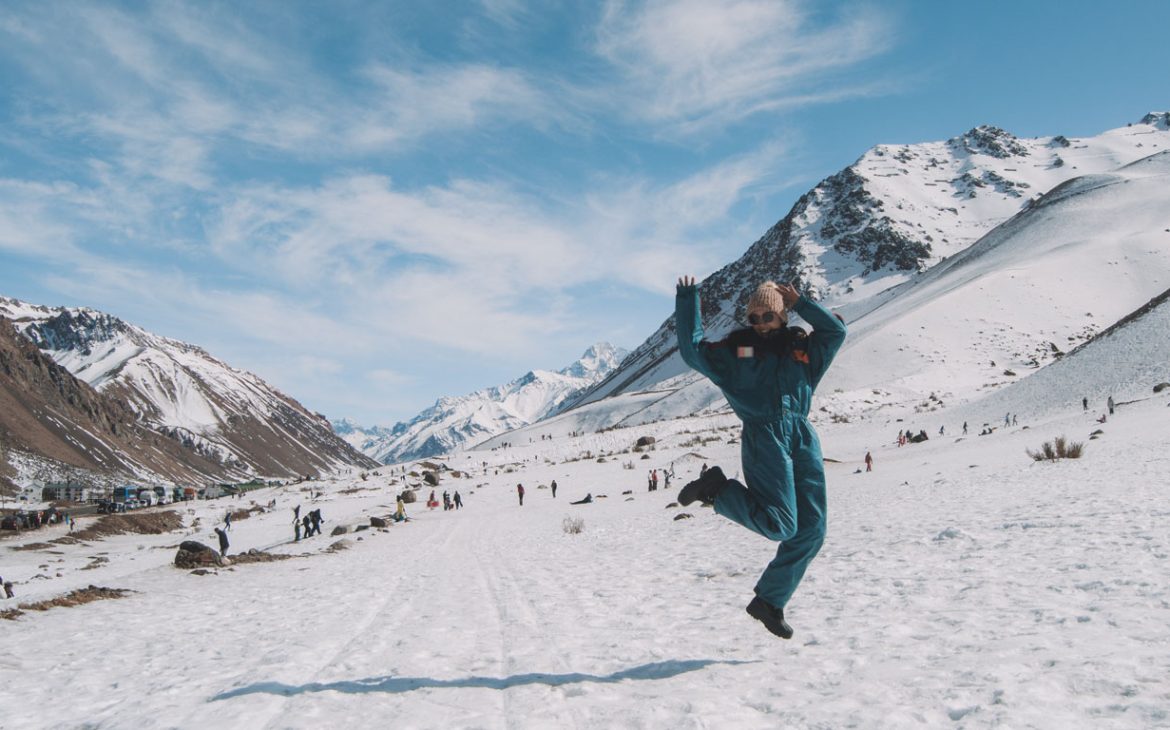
518 619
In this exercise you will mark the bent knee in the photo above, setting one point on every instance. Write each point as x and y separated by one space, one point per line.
780 529
811 536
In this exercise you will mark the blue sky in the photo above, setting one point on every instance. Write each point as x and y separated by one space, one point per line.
372 205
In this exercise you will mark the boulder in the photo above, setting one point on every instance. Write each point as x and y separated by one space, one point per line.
339 530
1160 387
194 554
645 441
380 521
342 544
409 496
683 516
431 478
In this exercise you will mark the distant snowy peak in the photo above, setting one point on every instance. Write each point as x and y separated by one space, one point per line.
456 421
597 360
1161 120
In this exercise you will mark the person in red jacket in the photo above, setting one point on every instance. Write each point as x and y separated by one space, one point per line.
520 493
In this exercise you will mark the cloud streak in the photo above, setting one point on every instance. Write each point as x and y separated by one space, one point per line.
696 66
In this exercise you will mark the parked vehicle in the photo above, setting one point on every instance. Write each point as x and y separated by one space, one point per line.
125 493
148 498
163 494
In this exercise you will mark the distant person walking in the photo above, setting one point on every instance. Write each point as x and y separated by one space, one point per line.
1109 403
223 540
1084 404
520 493
554 488
458 500
868 461
964 428
227 520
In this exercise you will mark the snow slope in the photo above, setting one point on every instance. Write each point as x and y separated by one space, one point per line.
960 585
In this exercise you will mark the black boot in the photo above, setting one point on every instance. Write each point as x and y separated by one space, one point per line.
704 488
770 616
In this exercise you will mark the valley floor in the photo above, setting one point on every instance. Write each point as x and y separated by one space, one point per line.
961 585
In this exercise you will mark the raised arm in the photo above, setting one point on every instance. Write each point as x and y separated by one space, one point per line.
827 336
689 325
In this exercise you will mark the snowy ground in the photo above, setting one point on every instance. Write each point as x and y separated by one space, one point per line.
961 585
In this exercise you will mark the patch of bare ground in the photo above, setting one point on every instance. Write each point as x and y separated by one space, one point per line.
243 514
33 546
259 556
96 562
73 598
142 523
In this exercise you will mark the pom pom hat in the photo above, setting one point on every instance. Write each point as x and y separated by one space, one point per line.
766 298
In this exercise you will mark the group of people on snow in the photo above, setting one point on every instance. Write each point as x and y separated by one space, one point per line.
308 524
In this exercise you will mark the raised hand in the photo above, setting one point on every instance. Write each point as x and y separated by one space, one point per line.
789 294
686 281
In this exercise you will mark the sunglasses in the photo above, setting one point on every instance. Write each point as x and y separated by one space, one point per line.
765 318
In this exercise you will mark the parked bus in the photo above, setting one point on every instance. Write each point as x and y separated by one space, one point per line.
125 493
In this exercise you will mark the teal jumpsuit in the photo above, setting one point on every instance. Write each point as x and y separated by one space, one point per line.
784 496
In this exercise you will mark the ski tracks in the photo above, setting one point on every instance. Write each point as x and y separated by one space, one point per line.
526 641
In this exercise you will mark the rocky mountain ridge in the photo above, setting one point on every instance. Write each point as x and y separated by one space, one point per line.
233 424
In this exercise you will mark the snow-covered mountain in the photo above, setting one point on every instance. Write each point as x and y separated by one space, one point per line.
1006 288
453 422
229 417
899 211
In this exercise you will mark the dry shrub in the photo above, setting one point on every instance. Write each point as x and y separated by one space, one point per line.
1057 448
573 525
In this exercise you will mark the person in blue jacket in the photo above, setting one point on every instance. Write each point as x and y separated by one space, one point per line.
768 373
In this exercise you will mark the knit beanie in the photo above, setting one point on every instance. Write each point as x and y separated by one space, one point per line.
766 298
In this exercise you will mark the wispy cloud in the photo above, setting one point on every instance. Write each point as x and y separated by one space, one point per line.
409 105
696 65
